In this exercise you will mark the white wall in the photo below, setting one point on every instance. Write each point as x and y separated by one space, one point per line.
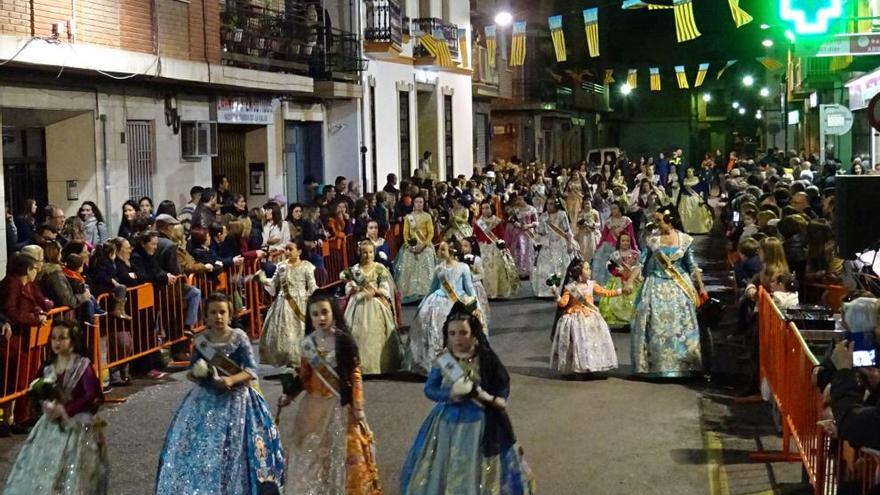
342 141
70 155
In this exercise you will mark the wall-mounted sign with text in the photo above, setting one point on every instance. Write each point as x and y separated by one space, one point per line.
244 110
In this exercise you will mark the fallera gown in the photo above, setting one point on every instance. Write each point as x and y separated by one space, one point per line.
371 319
555 254
581 340
413 271
284 325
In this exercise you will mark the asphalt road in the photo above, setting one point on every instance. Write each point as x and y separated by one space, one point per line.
615 435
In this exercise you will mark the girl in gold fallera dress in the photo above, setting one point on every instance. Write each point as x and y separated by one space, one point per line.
500 276
416 260
588 225
292 284
369 314
332 449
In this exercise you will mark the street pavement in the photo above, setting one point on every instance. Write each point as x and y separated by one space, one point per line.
610 435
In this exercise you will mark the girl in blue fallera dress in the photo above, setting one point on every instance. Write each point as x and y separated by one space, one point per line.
665 332
466 446
222 439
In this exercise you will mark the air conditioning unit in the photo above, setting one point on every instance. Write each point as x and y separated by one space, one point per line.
198 138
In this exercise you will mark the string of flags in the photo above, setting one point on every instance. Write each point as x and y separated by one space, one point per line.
518 44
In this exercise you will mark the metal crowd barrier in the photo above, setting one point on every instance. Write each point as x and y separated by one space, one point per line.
157 318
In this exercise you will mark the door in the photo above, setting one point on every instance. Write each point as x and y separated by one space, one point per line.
480 139
24 165
304 157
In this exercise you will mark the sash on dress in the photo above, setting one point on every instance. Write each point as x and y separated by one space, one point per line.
677 277
415 230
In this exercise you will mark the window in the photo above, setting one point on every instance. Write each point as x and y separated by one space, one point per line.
198 138
141 158
403 110
373 137
447 128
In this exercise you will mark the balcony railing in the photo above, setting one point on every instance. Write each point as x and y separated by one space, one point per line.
430 25
294 42
384 22
483 73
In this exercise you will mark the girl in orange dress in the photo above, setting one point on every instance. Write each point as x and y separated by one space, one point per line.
581 339
333 450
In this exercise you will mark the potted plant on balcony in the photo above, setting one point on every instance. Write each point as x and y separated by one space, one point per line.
230 28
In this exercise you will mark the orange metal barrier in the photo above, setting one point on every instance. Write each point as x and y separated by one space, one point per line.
828 295
22 355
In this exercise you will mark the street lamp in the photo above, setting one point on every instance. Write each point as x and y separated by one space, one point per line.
759 115
626 89
765 92
503 18
765 27
742 110
707 97
735 105
748 81
767 43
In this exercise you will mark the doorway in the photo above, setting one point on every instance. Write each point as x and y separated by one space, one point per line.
24 165
429 128
304 157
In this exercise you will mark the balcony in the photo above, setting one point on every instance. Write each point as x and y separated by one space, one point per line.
384 27
552 96
293 42
808 74
432 25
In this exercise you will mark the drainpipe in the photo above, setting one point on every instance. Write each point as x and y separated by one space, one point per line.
106 172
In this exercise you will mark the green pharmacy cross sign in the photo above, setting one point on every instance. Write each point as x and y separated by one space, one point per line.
810 16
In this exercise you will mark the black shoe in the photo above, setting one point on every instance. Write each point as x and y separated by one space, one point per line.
4 431
19 429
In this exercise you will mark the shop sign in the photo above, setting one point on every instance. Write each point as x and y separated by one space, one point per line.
244 110
864 88
834 119
850 45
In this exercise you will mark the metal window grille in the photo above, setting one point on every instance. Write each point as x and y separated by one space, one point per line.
447 114
141 158
373 153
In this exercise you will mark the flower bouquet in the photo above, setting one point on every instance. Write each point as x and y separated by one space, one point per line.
412 242
500 244
470 303
469 259
554 280
354 274
44 389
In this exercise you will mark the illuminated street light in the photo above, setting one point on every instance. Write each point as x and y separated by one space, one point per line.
504 18
748 81
767 43
790 35
759 115
765 26
626 89
742 111
707 97
735 105
765 92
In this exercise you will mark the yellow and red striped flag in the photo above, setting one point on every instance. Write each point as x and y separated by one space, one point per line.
558 37
681 76
438 48
591 27
685 24
655 78
770 63
701 75
518 44
726 66
632 78
740 16
609 76
490 45
463 47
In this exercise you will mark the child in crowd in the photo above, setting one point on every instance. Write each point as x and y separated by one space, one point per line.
73 272
749 264
750 224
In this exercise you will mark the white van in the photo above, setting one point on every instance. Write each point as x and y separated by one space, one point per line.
596 157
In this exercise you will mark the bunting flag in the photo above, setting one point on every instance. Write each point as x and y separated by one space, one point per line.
840 63
740 16
591 27
609 76
652 6
633 4
681 76
685 25
490 45
518 44
558 37
701 75
437 47
463 47
631 78
655 78
726 66
770 63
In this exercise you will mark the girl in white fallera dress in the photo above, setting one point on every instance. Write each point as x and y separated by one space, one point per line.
557 248
588 226
470 255
581 339
285 323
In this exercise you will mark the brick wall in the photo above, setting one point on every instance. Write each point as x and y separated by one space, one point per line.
48 12
136 25
15 17
97 22
211 30
174 32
